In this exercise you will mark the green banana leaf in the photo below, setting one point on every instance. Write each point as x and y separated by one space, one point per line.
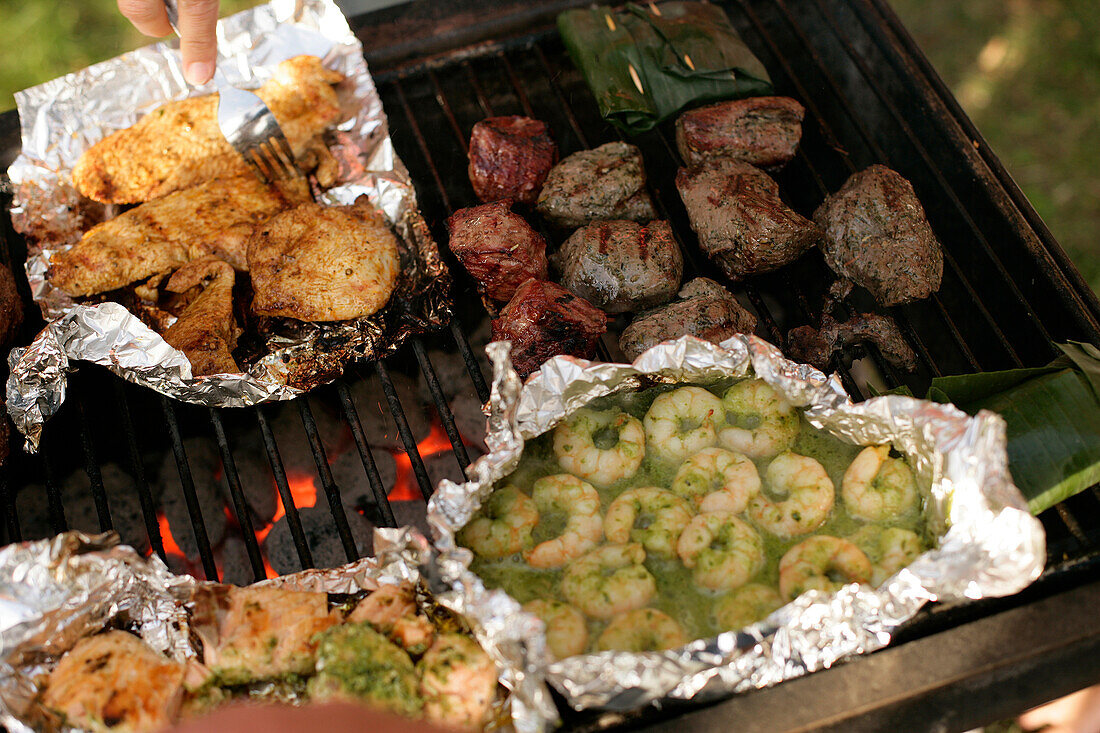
682 55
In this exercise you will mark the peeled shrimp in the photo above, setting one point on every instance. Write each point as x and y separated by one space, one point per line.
583 527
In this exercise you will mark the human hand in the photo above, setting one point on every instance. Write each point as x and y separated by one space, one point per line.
197 26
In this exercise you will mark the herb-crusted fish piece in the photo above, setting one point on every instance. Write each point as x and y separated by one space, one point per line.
607 182
356 663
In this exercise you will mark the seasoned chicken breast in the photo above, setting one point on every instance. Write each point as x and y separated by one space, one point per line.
179 144
206 330
157 237
115 681
323 263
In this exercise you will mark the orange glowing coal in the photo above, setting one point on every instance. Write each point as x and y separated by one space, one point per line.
166 538
405 488
303 491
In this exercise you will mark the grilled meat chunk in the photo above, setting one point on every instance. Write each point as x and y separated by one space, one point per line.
705 310
358 664
817 346
115 681
206 330
323 263
179 144
510 157
763 131
742 223
543 320
157 237
621 266
392 610
607 182
458 681
11 306
498 248
877 235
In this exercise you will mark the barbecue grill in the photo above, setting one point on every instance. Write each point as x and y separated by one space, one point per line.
215 491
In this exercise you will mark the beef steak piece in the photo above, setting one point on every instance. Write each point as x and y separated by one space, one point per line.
877 235
620 266
498 248
510 157
817 346
607 182
763 131
742 224
543 320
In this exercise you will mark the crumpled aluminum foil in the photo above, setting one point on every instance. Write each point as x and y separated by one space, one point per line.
62 118
988 544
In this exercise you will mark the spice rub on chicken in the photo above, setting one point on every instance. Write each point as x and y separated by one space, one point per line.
743 225
115 681
179 145
510 157
763 131
323 263
877 235
543 320
157 237
607 182
498 248
206 330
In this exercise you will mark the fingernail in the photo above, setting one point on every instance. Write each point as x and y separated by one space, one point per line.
198 72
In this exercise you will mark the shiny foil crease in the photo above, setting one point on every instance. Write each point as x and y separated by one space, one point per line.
988 544
62 118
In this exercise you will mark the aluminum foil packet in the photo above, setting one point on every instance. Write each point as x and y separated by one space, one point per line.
62 118
987 543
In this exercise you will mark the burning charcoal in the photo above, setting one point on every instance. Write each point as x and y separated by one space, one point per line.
543 320
324 542
414 512
450 370
257 481
510 157
377 420
290 434
743 225
235 565
706 310
469 419
444 465
877 235
815 347
605 183
621 266
351 477
763 131
203 459
497 247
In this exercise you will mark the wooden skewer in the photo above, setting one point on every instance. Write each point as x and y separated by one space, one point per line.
610 22
687 60
634 76
654 9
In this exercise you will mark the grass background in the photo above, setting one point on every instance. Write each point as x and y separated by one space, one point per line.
1026 71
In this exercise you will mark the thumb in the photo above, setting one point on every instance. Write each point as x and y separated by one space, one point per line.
198 39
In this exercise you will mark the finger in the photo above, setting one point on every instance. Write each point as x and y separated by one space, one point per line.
148 16
198 42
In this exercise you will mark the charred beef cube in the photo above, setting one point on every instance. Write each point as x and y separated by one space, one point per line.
544 320
510 157
621 266
763 131
607 182
876 234
498 247
742 224
814 346
706 310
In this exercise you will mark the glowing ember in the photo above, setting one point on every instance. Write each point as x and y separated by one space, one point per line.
303 491
166 538
405 487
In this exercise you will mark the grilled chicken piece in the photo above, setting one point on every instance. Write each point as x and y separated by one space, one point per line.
543 320
355 663
510 157
705 310
259 633
392 610
621 266
179 144
607 182
458 682
498 248
877 235
206 330
157 237
323 263
742 223
115 681
817 346
763 131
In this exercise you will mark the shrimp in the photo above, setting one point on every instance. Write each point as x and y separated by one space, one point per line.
715 479
503 526
877 487
760 423
889 550
583 526
723 551
609 580
566 629
821 563
654 517
746 605
683 422
809 492
643 630
458 682
576 446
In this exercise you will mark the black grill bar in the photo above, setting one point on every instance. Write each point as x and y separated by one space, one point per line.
332 493
382 507
137 470
403 430
53 495
236 493
440 400
11 516
293 521
91 466
472 367
189 495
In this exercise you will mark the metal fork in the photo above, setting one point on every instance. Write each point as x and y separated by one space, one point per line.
248 125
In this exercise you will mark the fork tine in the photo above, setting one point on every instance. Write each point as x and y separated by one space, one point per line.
283 157
283 147
256 162
274 163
